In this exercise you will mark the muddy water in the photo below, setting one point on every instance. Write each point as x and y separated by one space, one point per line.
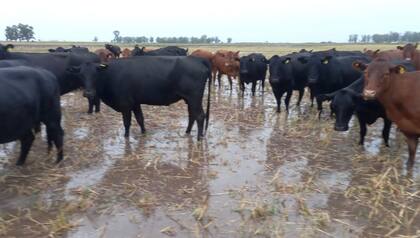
256 174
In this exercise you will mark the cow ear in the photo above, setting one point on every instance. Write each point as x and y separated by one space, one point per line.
326 60
186 51
358 65
303 60
73 69
376 52
399 69
415 46
286 61
237 52
51 50
400 47
101 66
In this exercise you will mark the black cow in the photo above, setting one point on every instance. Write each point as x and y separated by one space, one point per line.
252 68
73 49
166 51
347 101
327 74
57 63
127 83
115 50
281 79
29 96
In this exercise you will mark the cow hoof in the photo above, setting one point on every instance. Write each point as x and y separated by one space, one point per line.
20 163
387 145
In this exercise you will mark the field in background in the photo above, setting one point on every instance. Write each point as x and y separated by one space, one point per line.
268 49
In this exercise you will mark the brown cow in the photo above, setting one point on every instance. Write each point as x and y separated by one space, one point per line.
104 55
411 53
385 55
397 91
226 62
126 53
203 54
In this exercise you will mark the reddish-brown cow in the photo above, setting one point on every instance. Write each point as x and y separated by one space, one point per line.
411 53
397 91
226 62
126 53
105 55
385 55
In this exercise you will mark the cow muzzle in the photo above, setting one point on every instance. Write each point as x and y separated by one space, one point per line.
369 94
341 127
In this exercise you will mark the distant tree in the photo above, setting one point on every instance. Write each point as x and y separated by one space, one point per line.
95 39
26 32
20 32
117 37
151 40
229 40
12 33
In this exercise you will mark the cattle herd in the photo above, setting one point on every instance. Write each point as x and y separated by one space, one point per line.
369 84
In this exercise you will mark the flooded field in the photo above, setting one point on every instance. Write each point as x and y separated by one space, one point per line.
256 174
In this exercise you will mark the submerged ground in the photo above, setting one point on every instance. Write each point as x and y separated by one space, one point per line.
256 174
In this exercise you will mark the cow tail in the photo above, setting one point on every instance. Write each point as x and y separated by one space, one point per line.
208 99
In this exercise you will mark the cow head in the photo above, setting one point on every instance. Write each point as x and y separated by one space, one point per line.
343 105
116 50
377 76
409 50
137 51
316 65
126 53
280 69
88 74
371 53
4 50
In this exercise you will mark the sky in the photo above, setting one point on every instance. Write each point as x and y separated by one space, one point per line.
243 21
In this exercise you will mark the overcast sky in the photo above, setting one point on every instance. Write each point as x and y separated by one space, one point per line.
244 21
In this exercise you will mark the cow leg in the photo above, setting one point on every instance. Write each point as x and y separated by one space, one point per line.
242 87
287 100
191 120
363 129
214 73
197 114
262 84
127 122
90 102
386 130
301 92
230 82
26 143
254 85
138 113
312 97
219 79
97 104
277 95
319 107
412 142
55 134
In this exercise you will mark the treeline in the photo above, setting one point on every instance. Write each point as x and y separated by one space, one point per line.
19 32
391 37
204 39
